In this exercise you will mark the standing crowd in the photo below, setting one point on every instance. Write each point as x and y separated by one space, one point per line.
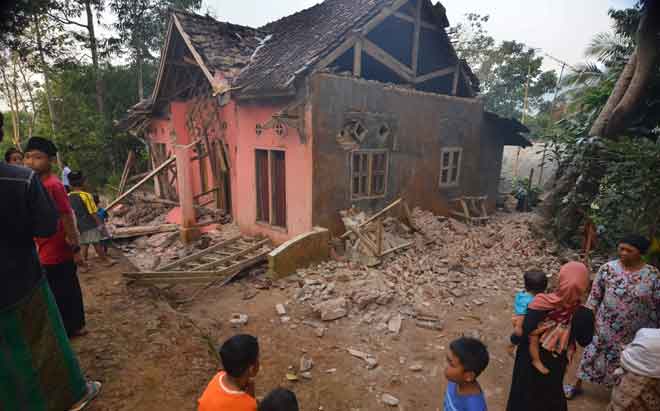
47 226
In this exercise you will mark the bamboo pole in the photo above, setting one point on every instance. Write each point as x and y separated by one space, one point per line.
149 176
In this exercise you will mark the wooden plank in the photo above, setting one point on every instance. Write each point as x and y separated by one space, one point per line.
401 247
174 280
380 17
457 74
334 55
416 37
130 160
207 192
432 75
156 274
379 237
357 59
404 16
375 216
387 60
193 51
365 241
202 253
131 232
141 182
248 250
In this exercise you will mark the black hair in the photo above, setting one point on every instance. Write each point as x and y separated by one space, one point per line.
535 281
639 242
239 353
10 152
76 178
472 354
279 399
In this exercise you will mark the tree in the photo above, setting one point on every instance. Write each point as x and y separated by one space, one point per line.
16 16
141 25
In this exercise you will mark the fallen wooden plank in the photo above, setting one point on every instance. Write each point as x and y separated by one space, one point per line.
174 280
202 253
156 171
401 247
130 160
221 261
157 274
375 216
131 232
365 241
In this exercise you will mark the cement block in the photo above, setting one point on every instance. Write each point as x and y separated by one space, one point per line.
299 252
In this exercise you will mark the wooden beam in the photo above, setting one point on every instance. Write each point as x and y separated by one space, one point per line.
366 241
248 250
334 55
193 51
377 215
200 254
409 19
432 75
380 17
156 171
457 75
416 37
357 59
128 166
388 60
401 247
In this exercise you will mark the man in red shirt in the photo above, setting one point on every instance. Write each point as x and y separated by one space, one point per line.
59 254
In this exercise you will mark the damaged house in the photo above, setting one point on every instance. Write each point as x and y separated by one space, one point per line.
350 103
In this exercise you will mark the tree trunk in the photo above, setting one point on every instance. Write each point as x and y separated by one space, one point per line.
13 107
93 46
28 88
140 79
620 88
46 74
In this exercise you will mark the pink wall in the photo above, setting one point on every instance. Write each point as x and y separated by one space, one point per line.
242 141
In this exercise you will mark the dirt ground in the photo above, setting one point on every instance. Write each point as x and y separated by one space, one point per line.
152 354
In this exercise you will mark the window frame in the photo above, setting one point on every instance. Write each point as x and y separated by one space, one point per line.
270 183
449 167
370 153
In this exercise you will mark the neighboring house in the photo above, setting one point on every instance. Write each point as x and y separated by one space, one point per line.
348 103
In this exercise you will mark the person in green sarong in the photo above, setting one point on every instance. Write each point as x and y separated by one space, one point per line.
38 368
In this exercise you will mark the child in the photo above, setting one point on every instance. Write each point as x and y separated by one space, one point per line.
103 216
233 388
536 282
279 399
89 223
467 359
14 157
60 253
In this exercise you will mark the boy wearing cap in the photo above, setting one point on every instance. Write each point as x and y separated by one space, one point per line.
59 254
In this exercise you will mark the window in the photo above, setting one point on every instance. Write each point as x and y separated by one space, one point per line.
368 174
450 166
271 187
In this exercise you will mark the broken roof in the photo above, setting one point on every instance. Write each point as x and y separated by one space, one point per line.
509 130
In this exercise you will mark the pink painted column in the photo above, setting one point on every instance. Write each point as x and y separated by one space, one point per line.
189 231
184 174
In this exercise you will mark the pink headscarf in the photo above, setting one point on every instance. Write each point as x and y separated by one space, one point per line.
573 282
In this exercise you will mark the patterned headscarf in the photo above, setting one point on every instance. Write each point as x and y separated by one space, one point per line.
573 282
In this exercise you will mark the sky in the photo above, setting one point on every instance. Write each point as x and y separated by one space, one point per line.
561 28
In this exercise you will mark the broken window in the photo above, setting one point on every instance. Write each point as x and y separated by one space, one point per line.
355 130
450 166
271 187
369 174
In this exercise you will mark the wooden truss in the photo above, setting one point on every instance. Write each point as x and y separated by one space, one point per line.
218 263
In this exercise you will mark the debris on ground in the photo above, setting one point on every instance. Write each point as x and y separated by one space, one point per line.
451 263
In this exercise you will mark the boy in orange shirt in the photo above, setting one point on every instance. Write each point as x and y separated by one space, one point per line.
233 388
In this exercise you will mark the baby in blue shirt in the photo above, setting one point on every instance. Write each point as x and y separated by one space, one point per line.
466 360
536 282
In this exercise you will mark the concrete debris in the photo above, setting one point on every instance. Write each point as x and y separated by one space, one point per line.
306 363
390 400
371 361
238 320
417 367
333 309
280 309
429 325
306 375
394 325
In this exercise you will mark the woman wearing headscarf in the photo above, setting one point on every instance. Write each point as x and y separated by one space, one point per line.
561 322
625 297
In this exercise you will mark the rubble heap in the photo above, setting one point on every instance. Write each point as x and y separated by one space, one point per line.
451 263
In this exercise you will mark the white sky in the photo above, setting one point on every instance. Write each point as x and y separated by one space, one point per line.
562 28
